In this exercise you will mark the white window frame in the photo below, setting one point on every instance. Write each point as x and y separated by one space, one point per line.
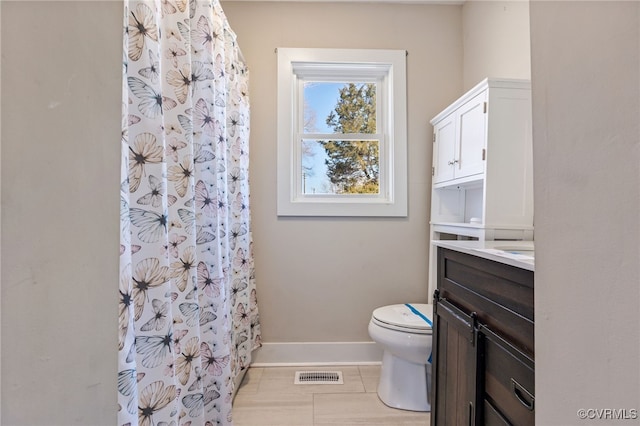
388 69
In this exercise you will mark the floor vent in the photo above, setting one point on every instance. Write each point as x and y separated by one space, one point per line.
318 378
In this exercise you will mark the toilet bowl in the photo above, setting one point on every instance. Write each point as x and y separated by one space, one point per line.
404 332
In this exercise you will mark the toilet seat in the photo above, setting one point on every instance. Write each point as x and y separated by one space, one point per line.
402 318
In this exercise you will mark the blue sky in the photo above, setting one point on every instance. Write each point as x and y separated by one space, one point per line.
320 98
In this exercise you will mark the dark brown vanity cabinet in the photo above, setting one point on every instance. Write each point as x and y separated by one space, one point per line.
483 344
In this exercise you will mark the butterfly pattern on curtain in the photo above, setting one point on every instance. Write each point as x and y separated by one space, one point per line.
188 316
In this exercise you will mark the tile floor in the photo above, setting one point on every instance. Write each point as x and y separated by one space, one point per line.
268 397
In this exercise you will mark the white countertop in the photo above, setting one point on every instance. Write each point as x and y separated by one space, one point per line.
515 253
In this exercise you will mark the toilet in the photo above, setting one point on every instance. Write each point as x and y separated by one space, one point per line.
404 332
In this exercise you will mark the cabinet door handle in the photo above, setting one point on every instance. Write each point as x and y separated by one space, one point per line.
451 163
523 395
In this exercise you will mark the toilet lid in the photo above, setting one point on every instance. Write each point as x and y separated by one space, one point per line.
412 317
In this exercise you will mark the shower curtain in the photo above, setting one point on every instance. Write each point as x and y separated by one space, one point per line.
188 316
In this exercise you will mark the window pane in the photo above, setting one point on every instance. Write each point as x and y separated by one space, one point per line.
340 167
331 107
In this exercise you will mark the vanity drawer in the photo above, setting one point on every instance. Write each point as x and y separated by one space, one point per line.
509 380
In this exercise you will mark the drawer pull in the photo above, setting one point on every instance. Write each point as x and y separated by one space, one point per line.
523 395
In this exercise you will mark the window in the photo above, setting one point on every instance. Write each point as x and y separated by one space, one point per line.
342 138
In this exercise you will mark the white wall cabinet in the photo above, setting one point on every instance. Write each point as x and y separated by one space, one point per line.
460 140
482 166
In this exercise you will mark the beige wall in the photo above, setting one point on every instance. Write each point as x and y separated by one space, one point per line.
586 110
61 94
496 40
319 279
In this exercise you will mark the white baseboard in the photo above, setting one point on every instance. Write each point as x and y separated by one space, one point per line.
316 353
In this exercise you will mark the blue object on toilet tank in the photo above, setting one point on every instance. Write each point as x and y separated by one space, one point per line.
421 315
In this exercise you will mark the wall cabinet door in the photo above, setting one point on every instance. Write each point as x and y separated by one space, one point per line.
454 367
444 146
472 137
